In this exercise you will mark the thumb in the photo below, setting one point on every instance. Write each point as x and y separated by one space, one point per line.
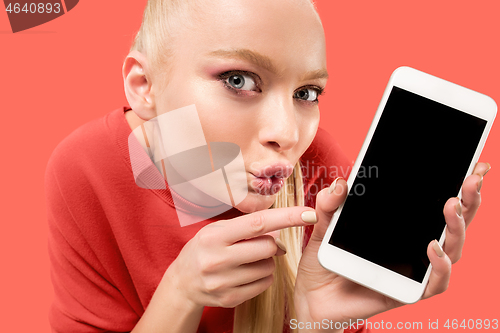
327 202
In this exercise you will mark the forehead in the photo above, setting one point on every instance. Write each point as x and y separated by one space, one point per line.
287 31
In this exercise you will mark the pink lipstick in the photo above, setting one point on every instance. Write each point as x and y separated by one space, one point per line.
270 180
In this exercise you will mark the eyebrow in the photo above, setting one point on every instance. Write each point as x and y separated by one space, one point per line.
314 75
265 62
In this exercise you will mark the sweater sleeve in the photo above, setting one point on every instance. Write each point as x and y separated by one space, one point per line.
87 298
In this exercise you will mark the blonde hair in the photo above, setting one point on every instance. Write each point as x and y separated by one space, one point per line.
162 20
269 311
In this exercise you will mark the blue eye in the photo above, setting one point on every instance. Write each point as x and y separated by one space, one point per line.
307 94
241 82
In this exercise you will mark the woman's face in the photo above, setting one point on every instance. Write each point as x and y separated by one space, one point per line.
254 70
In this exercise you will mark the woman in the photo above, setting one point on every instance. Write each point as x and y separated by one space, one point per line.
254 71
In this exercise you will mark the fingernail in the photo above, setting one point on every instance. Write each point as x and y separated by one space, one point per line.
280 244
438 249
489 167
458 207
334 185
309 216
479 183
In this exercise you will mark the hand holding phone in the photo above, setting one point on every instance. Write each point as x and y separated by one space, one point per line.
422 121
322 294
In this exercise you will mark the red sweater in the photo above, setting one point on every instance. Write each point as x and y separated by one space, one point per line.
110 241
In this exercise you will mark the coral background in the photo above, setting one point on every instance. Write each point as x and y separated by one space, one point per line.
60 75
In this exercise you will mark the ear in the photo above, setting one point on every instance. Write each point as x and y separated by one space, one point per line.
138 85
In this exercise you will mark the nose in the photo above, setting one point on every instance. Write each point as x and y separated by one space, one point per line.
279 128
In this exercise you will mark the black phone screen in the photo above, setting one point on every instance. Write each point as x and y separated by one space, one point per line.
416 160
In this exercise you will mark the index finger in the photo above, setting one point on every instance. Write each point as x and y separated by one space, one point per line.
264 221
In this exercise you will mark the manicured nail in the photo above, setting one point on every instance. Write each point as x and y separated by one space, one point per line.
458 207
489 167
280 244
309 216
438 249
334 185
479 183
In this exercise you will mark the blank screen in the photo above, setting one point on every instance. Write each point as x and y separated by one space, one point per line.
417 160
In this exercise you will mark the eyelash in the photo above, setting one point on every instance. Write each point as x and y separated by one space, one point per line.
226 75
319 91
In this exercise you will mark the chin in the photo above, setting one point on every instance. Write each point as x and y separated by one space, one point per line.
255 202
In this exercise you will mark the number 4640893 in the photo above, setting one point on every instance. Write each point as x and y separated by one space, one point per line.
472 324
34 8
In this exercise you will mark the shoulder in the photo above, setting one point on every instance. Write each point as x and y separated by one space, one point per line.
91 146
86 167
84 141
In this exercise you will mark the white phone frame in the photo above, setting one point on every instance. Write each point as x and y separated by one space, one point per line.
360 270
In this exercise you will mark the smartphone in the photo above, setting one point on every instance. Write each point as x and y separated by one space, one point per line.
425 138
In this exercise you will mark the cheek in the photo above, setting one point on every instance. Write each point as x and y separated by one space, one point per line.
226 121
